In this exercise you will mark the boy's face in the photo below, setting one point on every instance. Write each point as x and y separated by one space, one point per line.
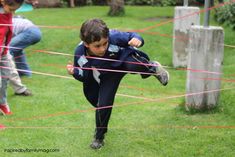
98 48
8 8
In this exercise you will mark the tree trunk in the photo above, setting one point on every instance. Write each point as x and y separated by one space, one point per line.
71 3
116 7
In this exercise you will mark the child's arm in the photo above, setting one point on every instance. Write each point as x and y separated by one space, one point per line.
79 62
125 39
77 70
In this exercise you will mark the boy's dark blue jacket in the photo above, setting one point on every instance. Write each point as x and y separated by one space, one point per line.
118 49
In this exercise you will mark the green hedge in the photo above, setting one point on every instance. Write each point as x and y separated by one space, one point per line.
135 2
226 15
151 2
161 2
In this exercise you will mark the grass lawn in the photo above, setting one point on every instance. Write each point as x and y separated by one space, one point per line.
58 116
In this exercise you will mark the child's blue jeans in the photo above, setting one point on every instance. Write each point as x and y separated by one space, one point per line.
4 77
21 41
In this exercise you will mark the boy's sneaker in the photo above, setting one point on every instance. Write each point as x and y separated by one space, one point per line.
27 92
161 74
5 110
97 144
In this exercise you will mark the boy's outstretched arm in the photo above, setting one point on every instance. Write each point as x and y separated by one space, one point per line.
125 39
80 62
76 71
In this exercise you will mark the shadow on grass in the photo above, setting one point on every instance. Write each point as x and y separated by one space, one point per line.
158 18
192 111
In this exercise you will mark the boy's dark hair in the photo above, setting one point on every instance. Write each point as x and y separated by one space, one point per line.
13 2
93 30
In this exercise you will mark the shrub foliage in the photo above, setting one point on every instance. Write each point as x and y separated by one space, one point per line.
226 15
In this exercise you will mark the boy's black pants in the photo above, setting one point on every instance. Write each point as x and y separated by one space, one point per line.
101 95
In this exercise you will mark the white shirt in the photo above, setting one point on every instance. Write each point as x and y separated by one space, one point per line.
20 25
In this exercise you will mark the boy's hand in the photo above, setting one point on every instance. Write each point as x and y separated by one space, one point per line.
70 68
135 42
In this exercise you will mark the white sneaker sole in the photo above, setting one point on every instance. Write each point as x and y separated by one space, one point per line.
167 73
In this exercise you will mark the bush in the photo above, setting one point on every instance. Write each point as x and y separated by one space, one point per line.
168 2
65 3
99 2
226 15
143 2
151 2
158 2
132 2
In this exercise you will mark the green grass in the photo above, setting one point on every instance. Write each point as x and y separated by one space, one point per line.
161 128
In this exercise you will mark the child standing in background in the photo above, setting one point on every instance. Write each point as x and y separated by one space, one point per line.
25 34
7 7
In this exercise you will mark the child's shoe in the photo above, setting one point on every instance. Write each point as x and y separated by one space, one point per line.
97 144
27 92
5 110
2 126
161 74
